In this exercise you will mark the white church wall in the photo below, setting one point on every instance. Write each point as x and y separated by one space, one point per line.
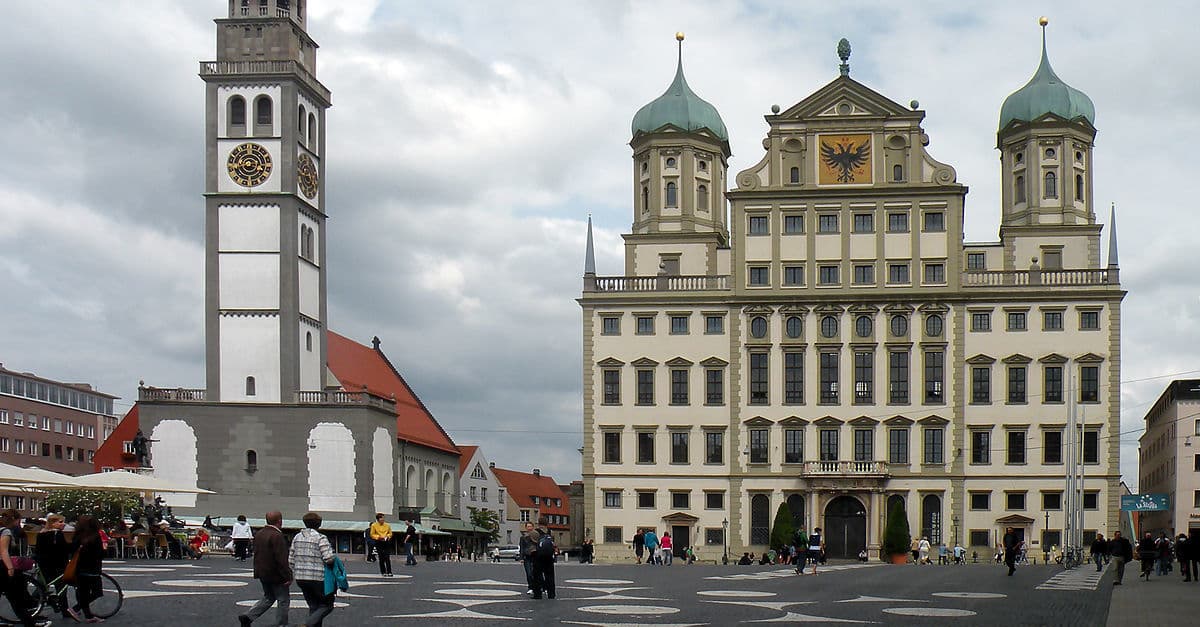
250 228
250 348
331 477
174 459
381 462
249 281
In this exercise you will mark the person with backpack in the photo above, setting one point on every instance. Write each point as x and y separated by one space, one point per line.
815 547
543 565
528 547
800 539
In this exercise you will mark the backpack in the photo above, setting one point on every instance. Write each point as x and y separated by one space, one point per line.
545 547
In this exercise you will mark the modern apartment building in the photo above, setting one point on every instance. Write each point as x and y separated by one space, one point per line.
1169 458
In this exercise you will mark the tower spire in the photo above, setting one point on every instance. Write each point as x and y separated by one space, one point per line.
589 255
1112 236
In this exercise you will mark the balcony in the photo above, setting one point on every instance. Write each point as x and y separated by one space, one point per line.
846 469
271 69
661 283
1041 278
170 394
340 397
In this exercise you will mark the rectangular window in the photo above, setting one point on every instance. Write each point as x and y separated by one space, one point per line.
612 386
714 384
935 273
976 261
19 446
1052 447
714 536
898 446
759 226
58 425
898 222
898 377
679 325
1052 500
3 416
1053 392
1016 447
898 273
679 386
793 378
1052 321
934 446
645 500
612 447
645 325
864 274
829 445
613 535
935 221
864 223
934 374
793 224
981 447
828 275
864 377
714 325
645 387
1016 321
981 501
69 428
759 276
827 223
829 378
681 500
793 446
1091 447
981 321
758 446
610 325
759 380
1016 384
1091 499
981 384
18 419
714 447
864 445
1089 320
1014 501
793 275
714 500
679 447
1089 384
645 447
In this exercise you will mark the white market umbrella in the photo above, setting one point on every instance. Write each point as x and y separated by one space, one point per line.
121 481
16 476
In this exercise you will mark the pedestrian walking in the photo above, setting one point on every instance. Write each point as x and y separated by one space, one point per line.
587 554
311 553
410 538
665 548
1122 552
923 551
543 565
53 553
1194 553
651 540
1183 552
639 544
528 547
916 550
88 566
1165 550
960 553
13 581
814 548
1148 554
381 533
271 569
1099 550
241 535
1012 543
800 539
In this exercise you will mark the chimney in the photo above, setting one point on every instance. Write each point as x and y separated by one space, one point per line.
491 464
537 472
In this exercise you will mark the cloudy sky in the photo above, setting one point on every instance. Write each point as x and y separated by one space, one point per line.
468 142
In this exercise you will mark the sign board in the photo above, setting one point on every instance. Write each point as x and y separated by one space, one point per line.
1145 502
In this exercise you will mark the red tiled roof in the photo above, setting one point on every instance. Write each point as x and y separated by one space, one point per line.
356 366
467 453
522 486
110 453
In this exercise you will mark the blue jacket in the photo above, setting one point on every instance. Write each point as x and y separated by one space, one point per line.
651 540
335 577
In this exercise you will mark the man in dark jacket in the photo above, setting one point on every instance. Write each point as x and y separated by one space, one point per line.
272 570
1011 543
1183 553
1122 552
528 546
639 544
543 565
1099 550
410 538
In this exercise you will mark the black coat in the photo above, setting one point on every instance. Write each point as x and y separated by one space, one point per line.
53 552
1099 547
1121 547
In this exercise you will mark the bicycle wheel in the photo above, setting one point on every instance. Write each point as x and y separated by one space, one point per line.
37 595
111 598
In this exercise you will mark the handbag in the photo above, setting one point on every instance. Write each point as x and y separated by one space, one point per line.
21 564
70 573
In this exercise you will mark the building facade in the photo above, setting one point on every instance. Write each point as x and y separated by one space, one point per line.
536 498
829 343
1169 459
482 490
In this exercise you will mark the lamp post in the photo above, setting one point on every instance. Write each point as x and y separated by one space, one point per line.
954 521
725 540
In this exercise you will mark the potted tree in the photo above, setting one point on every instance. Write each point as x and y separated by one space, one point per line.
782 531
895 536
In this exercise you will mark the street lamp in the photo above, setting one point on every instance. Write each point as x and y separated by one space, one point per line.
954 521
725 540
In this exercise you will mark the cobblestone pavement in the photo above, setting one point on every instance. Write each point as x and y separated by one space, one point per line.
215 590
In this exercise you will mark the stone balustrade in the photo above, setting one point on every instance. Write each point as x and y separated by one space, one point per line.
846 469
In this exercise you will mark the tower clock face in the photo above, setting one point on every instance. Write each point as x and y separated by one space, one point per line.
249 164
306 174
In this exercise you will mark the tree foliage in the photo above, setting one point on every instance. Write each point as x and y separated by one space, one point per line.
895 534
106 507
783 529
488 519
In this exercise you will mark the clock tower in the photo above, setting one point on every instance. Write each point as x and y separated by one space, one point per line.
265 307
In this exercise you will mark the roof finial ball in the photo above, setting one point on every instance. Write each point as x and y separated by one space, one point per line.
843 50
1043 20
679 35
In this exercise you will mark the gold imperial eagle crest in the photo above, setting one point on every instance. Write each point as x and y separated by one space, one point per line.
844 160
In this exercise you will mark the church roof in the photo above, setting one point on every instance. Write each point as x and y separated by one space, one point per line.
355 365
467 454
1046 93
681 108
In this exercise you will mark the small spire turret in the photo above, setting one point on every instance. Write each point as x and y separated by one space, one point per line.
1112 236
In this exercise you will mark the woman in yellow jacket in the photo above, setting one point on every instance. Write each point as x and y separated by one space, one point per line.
381 533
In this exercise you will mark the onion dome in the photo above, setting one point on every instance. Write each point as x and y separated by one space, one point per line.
680 107
1046 93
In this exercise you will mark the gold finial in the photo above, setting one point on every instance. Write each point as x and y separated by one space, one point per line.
679 36
1043 20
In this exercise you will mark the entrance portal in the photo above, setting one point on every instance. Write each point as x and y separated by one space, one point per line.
679 539
845 527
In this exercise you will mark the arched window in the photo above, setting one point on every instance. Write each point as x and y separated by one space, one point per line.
702 198
704 166
1019 189
795 175
304 241
237 115
263 116
1079 187
795 504
931 518
758 327
670 162
301 118
251 460
672 195
1051 185
308 341
829 326
645 199
760 514
312 251
250 386
312 131
897 173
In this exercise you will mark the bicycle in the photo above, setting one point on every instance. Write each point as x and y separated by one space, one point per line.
54 594
1071 558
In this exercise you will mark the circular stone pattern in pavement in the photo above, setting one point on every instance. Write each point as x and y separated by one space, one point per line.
970 595
599 582
629 610
251 603
942 612
735 593
201 583
478 592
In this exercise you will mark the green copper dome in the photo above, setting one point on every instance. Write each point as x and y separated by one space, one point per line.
679 106
1046 93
